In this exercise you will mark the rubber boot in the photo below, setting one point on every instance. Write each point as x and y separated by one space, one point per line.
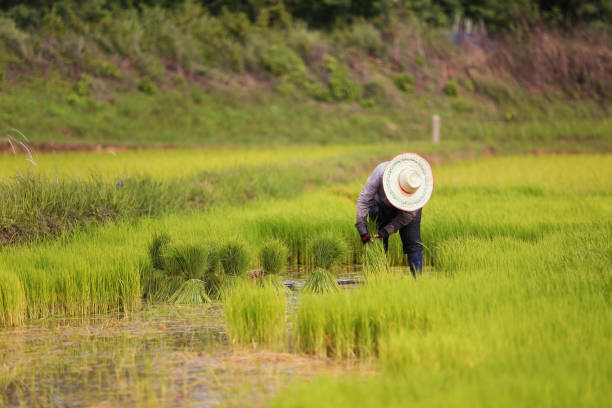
415 261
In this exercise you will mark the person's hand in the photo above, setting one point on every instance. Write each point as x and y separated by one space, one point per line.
382 234
366 239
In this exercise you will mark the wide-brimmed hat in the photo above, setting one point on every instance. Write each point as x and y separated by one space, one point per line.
408 181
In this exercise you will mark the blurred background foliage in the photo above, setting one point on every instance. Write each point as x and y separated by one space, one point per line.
511 60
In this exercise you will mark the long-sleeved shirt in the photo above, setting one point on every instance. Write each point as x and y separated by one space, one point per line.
373 191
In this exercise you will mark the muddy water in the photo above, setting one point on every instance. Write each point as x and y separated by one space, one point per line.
159 356
162 355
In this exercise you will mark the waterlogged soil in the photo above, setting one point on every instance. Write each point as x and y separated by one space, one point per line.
176 356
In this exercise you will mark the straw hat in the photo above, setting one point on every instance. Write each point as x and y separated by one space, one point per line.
408 181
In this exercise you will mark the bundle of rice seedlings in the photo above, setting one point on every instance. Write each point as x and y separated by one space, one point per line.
191 292
213 261
151 282
273 282
273 256
234 258
326 251
188 261
157 247
374 261
320 281
165 287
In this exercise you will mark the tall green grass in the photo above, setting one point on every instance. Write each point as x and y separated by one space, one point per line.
350 324
517 203
48 204
517 312
255 314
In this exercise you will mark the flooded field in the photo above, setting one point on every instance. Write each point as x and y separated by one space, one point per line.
158 356
513 307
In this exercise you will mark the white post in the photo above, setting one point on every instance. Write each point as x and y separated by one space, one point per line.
435 135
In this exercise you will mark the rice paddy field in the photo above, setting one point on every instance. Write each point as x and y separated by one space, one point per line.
512 309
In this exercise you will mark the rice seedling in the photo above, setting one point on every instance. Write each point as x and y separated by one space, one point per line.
345 324
255 314
374 262
274 282
193 291
326 250
12 299
273 257
213 259
320 281
157 248
234 257
186 260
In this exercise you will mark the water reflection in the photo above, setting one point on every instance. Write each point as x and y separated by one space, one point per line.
159 356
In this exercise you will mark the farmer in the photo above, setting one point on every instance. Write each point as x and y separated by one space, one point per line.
393 196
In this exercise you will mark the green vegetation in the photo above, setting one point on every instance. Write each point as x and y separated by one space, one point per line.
273 257
39 207
351 323
320 281
516 301
192 74
326 250
185 260
255 314
192 292
374 263
235 258
526 200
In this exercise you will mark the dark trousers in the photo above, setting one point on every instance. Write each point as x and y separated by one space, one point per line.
410 234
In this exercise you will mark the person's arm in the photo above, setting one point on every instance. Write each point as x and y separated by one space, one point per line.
402 219
368 192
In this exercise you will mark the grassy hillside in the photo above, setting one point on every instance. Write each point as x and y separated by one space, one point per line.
184 76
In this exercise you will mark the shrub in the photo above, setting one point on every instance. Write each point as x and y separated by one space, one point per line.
234 258
462 105
326 251
147 86
375 90
451 88
404 82
281 60
84 85
494 89
273 256
365 36
340 86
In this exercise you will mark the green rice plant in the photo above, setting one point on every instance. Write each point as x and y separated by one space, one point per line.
12 299
186 260
374 262
274 282
193 291
326 250
157 248
320 281
273 257
234 257
213 259
255 314
167 286
345 324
